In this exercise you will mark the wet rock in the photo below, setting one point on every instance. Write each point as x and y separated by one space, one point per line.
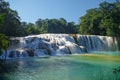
30 53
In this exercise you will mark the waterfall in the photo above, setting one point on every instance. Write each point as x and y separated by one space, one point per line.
58 44
98 43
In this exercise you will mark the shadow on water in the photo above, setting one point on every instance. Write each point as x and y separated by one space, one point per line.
116 72
6 68
12 66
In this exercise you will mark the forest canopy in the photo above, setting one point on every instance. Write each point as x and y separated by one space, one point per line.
104 20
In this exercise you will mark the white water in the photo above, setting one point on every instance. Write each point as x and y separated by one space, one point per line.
58 44
98 43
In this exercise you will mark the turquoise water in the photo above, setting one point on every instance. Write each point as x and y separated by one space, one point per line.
115 53
73 67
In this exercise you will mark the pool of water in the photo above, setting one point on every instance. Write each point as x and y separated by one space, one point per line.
71 67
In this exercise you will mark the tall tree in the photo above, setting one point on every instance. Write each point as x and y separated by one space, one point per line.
11 19
102 21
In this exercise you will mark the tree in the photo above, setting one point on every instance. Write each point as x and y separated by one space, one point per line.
3 38
22 30
55 26
11 21
102 21
90 22
3 43
31 29
71 28
110 19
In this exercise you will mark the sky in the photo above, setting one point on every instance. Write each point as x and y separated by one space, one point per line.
71 10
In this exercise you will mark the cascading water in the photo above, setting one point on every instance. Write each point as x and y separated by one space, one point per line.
58 44
98 43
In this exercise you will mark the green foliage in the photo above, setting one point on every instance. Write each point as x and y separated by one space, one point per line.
56 26
1 18
102 21
72 28
9 19
42 26
51 26
3 42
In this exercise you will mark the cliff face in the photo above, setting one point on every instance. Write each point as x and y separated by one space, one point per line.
58 44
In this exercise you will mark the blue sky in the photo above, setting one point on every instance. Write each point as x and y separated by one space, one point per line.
71 10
